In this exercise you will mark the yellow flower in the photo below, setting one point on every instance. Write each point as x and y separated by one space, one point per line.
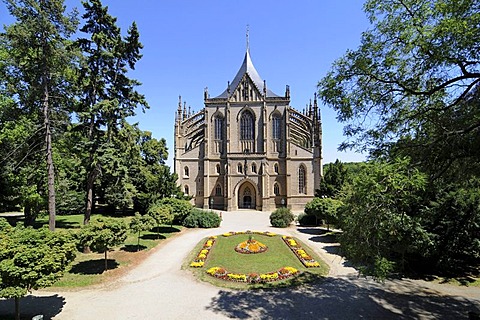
197 264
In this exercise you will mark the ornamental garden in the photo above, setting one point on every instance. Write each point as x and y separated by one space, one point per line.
255 259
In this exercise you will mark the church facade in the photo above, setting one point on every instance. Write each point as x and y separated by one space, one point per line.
248 148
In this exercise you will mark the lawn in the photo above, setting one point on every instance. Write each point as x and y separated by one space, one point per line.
88 268
276 257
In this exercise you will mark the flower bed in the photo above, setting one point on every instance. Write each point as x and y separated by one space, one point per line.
199 261
251 246
301 254
282 274
263 233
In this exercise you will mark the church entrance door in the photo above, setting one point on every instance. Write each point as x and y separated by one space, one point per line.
246 196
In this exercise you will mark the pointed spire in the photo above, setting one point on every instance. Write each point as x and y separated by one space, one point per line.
184 109
179 109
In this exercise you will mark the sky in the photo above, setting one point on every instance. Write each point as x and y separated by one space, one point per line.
190 45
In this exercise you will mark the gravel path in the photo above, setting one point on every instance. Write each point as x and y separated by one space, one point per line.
159 289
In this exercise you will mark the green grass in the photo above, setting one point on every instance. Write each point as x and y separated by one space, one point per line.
277 256
88 268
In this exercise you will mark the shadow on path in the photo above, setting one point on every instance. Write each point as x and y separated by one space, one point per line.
30 306
343 298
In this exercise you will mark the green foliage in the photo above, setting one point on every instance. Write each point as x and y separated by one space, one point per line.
307 220
141 223
202 219
180 208
281 218
31 259
161 214
415 75
381 218
334 177
453 220
102 234
324 209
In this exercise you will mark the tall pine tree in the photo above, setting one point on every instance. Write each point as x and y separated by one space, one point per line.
109 95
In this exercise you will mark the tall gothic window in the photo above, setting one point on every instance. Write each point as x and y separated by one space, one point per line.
247 131
275 167
217 167
218 190
277 127
187 190
185 172
276 189
218 124
301 180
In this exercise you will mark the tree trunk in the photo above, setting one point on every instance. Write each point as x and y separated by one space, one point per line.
89 206
91 175
50 167
106 261
17 308
138 242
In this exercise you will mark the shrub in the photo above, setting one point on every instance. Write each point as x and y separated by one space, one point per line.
202 219
281 218
180 208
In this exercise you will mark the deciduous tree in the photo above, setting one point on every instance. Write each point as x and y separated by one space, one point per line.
41 60
31 259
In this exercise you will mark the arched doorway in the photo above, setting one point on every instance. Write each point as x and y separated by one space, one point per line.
246 196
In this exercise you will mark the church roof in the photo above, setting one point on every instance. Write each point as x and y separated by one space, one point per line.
247 68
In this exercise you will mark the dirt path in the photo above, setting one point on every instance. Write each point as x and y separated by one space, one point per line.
159 289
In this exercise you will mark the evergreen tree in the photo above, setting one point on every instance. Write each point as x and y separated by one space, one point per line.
109 95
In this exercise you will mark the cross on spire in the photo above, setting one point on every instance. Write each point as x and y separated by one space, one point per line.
248 37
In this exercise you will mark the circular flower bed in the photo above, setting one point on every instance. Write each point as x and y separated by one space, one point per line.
251 246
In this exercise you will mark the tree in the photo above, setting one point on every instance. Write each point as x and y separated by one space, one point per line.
39 72
141 223
109 95
324 209
382 219
103 234
31 259
161 214
335 176
411 80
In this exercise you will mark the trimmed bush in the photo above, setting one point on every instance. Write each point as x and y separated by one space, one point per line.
281 218
202 219
180 208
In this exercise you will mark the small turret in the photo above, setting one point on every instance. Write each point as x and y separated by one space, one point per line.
287 92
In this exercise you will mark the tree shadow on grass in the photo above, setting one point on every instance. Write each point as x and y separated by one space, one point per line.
166 229
153 236
30 306
93 266
343 298
133 248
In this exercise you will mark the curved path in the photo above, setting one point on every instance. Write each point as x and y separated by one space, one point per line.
159 289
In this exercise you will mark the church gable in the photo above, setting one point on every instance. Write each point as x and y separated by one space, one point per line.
246 90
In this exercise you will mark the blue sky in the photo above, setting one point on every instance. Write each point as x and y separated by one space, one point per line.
190 45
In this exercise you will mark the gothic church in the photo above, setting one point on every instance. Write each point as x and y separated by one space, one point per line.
248 148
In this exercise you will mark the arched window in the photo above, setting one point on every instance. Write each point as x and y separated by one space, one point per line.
218 190
277 127
186 172
254 168
275 167
218 125
302 180
247 130
187 190
217 168
240 168
276 189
